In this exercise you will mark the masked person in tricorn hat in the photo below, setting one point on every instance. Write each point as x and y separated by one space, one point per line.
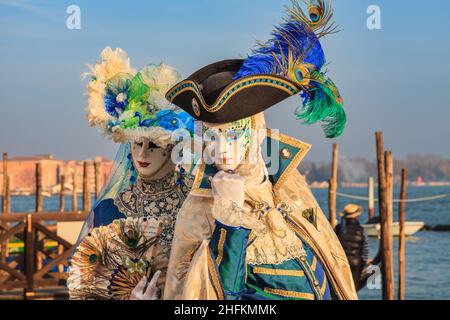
353 240
244 232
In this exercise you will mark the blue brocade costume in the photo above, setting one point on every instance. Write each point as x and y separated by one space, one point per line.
233 277
302 279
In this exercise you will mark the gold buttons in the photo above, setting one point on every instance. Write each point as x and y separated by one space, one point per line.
302 259
285 153
316 283
195 107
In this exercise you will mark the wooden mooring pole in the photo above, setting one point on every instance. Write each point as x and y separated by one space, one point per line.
39 208
97 166
5 177
62 195
401 241
381 173
62 208
333 185
74 192
6 201
86 191
8 195
39 203
386 232
371 199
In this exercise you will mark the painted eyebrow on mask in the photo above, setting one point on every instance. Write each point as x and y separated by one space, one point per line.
152 145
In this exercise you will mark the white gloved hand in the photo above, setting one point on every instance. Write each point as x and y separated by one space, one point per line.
151 293
228 186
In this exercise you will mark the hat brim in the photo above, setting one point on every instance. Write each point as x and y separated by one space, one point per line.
239 99
353 214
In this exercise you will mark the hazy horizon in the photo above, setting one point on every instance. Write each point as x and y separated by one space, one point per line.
394 79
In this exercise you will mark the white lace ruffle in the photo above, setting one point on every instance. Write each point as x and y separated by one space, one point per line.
230 214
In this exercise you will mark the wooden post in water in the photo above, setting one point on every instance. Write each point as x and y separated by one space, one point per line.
62 207
381 172
386 230
5 177
7 200
74 192
333 185
401 241
62 195
383 213
39 202
97 165
8 194
86 193
371 199
39 207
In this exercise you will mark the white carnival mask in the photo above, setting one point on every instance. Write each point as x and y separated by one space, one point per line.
148 158
226 144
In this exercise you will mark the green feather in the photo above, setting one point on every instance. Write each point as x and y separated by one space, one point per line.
139 91
323 104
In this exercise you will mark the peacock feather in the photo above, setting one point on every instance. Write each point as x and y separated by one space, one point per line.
322 102
111 260
295 52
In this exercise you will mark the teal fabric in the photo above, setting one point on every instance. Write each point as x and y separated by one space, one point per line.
239 283
283 163
231 266
209 171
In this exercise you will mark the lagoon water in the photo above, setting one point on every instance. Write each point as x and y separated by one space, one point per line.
427 253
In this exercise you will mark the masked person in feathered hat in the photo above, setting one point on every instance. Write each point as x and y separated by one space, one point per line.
245 232
143 190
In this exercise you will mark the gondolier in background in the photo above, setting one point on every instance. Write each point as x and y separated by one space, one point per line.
354 241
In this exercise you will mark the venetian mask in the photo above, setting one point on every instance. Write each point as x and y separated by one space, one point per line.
148 158
226 144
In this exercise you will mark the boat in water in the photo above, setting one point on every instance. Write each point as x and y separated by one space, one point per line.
411 228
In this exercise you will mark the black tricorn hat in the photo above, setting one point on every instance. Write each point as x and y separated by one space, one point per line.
289 63
211 94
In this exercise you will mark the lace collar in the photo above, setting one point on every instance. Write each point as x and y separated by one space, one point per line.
152 187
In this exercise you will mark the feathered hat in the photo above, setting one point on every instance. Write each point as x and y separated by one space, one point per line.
127 104
291 62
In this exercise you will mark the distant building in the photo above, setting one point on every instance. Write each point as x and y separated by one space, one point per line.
21 171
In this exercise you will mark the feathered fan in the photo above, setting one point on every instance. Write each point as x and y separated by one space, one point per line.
110 261
295 53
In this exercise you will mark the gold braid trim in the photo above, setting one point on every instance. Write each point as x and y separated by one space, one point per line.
223 236
278 272
290 294
314 264
324 284
215 277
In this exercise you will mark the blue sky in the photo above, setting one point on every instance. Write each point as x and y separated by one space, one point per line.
395 79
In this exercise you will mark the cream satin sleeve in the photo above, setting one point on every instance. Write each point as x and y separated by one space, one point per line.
197 284
299 194
194 225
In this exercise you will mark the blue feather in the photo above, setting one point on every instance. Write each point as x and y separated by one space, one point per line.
291 37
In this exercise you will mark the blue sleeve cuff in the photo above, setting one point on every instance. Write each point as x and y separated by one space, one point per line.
229 228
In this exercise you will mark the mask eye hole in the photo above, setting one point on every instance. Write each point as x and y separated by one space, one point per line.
151 145
139 144
211 136
234 135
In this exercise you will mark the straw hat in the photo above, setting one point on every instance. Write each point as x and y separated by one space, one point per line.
351 211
